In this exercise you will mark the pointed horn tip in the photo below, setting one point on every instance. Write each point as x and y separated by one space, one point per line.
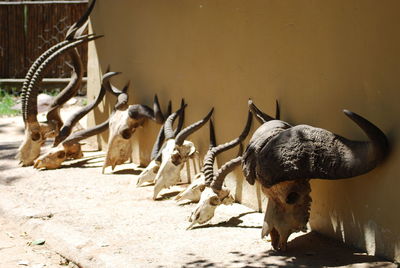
109 74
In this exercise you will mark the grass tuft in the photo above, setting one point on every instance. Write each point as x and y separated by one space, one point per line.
7 101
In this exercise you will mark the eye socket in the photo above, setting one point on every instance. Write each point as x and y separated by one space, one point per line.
292 198
126 134
35 136
61 155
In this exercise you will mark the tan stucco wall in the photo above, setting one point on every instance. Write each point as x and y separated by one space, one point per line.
315 57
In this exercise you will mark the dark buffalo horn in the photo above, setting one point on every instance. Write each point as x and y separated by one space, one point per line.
181 118
228 167
305 152
158 115
260 115
78 27
158 144
180 138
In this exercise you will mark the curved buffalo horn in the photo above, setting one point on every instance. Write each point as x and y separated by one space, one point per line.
158 115
66 129
168 126
31 92
213 152
78 27
305 152
180 138
181 118
226 168
260 115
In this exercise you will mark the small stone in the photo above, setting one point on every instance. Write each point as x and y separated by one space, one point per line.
38 242
23 263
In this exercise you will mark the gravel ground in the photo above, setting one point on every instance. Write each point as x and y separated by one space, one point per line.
97 220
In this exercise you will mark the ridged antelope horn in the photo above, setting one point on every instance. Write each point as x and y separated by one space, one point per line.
226 168
66 129
31 91
158 115
181 118
213 152
78 27
36 64
290 155
180 138
260 115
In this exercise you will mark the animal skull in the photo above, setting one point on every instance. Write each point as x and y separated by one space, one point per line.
283 158
173 159
56 155
149 173
205 209
193 192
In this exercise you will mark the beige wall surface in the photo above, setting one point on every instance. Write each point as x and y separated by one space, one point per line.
315 57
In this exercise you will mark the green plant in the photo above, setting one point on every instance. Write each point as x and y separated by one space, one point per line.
7 101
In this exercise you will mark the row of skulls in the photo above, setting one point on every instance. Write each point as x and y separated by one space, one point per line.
281 157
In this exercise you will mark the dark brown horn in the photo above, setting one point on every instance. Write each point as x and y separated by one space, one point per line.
66 129
158 115
180 138
78 27
213 141
260 115
168 125
36 64
305 152
84 134
31 91
158 144
277 111
213 152
169 109
181 118
228 167
139 111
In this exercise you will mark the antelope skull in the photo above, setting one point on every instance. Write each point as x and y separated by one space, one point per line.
123 123
176 152
215 193
36 133
283 158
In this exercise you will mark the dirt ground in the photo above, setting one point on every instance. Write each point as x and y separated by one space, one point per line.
97 220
